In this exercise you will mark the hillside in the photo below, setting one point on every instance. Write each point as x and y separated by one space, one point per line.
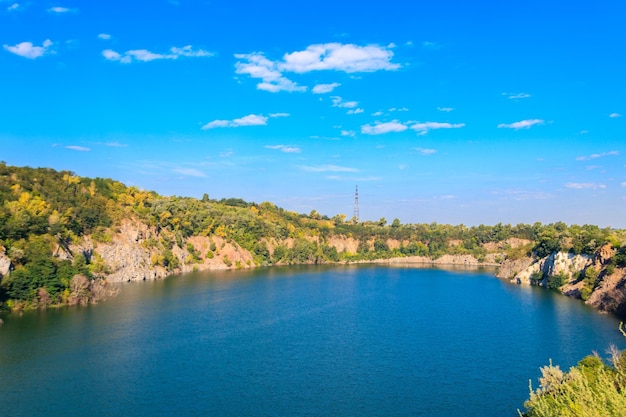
64 237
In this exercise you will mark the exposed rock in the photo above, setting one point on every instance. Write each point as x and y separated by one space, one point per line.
5 263
610 295
511 268
557 263
344 244
456 260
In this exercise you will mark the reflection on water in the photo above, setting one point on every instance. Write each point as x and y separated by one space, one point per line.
310 341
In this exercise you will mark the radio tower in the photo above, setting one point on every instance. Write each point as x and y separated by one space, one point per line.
356 205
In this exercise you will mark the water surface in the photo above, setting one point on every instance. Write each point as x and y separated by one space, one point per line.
303 341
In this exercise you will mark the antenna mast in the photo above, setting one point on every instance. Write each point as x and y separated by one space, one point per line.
356 204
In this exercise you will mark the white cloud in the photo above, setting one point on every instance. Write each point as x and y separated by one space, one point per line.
104 36
398 109
424 127
381 128
431 45
348 133
188 51
59 9
585 185
623 184
351 179
78 148
523 124
257 66
330 56
145 55
190 172
249 120
116 145
327 168
285 148
378 113
597 155
355 111
445 109
614 115
425 151
339 57
324 88
13 7
338 102
516 96
28 50
279 114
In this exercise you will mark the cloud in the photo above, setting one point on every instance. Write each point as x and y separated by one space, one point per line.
279 114
145 55
351 179
431 45
60 10
78 148
348 58
623 184
338 102
585 185
330 56
190 172
28 50
523 124
355 111
425 151
284 148
104 36
517 96
257 66
249 120
382 128
348 133
116 145
378 113
324 88
398 109
327 168
614 115
423 128
13 7
597 155
445 109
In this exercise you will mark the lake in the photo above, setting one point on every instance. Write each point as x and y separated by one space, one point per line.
298 341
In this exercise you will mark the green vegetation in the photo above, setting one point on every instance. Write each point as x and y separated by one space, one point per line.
592 388
47 215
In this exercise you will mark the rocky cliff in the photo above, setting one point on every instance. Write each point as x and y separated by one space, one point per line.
592 278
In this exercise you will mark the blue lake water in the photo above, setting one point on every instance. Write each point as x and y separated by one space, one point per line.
303 341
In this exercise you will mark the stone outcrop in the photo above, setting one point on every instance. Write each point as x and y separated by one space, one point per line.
609 294
5 263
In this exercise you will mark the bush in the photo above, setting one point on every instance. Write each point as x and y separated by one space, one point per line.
557 281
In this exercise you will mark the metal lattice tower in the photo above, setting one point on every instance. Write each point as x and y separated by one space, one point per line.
356 204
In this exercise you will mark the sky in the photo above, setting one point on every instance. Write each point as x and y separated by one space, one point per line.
451 111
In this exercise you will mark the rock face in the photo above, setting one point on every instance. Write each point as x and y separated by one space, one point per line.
5 263
609 295
520 271
511 268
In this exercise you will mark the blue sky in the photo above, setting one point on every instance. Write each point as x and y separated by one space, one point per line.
452 112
